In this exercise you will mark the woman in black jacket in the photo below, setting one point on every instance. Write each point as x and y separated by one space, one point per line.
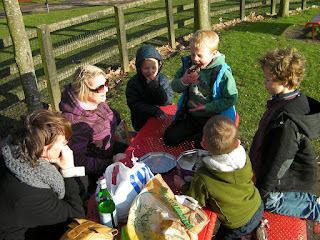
39 184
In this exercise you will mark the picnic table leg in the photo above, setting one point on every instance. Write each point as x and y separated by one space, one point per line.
313 31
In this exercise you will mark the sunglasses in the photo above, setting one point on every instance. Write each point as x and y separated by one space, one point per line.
100 88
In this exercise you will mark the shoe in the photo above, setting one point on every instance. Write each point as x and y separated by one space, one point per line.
260 233
316 228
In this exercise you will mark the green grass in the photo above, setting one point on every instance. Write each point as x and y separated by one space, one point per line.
242 45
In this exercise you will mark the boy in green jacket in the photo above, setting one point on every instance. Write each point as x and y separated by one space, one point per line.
208 89
225 181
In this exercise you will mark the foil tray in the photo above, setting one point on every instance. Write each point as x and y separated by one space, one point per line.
159 162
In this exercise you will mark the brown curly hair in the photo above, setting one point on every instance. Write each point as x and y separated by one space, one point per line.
285 65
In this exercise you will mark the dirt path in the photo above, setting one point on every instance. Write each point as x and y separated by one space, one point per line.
65 5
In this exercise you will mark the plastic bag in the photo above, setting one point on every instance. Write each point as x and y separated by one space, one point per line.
125 184
156 214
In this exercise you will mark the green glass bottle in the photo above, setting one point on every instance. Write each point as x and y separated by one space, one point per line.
106 206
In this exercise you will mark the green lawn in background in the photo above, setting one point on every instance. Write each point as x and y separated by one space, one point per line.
242 45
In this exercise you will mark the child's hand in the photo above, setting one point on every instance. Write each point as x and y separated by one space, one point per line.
152 82
178 181
190 78
150 78
199 107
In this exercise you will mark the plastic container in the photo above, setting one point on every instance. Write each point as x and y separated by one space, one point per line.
189 161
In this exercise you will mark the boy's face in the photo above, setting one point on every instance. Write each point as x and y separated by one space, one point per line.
201 56
273 87
149 68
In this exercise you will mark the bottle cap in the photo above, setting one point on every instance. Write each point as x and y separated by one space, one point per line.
102 179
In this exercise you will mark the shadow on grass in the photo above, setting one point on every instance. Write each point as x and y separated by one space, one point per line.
263 27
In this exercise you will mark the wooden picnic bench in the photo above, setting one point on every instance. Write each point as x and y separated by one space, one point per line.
313 21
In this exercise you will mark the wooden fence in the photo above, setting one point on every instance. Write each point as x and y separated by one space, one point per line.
48 54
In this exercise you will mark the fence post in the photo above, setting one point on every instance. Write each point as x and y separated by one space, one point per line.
170 21
122 38
304 4
202 19
273 7
242 9
49 65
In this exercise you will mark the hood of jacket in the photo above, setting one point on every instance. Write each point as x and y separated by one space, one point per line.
229 162
69 103
305 116
148 52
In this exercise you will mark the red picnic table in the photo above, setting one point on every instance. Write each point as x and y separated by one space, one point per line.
150 139
313 21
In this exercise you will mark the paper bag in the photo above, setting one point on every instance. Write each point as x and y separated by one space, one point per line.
155 214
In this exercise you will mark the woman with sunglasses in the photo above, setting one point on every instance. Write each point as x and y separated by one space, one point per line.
94 123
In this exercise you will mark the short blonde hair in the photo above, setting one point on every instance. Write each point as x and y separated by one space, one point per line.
81 79
220 135
284 65
205 39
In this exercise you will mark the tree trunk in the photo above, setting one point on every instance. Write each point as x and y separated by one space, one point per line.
202 19
284 8
23 54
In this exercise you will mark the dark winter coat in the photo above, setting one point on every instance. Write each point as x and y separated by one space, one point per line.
144 100
285 160
37 213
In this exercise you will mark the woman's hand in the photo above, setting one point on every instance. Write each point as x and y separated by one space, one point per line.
66 159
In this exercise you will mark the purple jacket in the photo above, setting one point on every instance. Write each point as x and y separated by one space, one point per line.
93 133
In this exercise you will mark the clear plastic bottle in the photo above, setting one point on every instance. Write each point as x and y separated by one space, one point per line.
106 206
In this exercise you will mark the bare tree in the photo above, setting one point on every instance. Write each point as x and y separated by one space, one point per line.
284 8
23 54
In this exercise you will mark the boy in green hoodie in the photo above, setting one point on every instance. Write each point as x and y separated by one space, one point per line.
208 89
224 182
